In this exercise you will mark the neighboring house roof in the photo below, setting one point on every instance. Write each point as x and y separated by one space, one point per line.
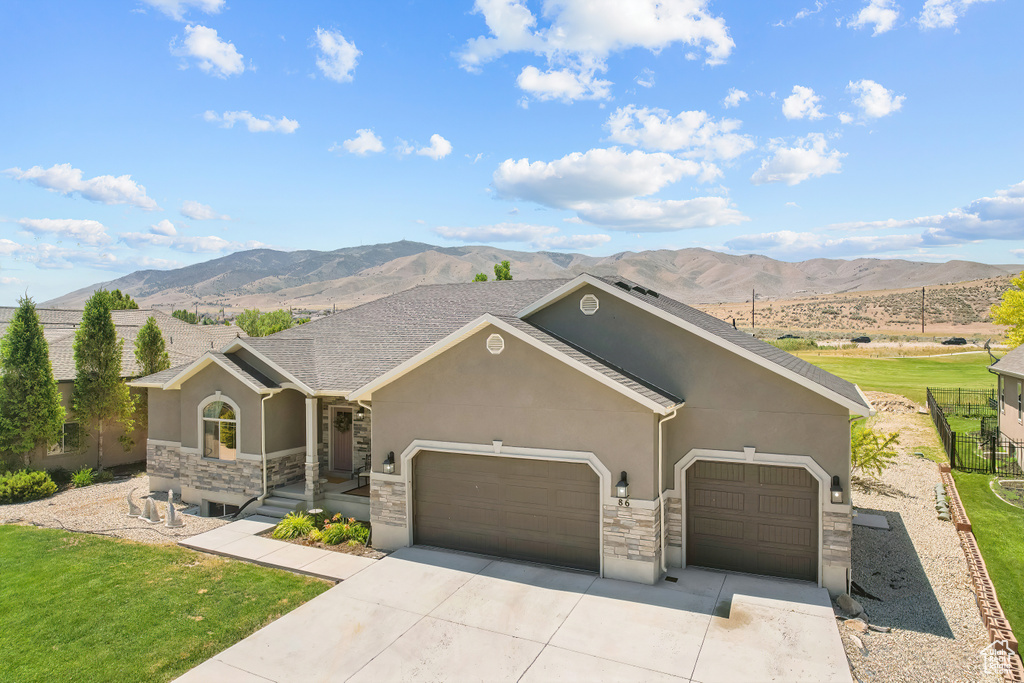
1010 364
353 350
185 342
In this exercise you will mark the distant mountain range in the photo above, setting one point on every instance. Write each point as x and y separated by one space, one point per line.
268 279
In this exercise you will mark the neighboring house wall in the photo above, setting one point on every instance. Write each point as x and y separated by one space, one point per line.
1010 423
526 399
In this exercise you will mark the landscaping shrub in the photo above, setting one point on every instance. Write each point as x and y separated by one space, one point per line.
24 485
294 525
82 477
314 536
338 530
104 476
61 476
870 451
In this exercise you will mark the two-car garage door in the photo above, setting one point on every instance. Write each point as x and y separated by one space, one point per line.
759 519
536 510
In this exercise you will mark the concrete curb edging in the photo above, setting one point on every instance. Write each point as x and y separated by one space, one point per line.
988 602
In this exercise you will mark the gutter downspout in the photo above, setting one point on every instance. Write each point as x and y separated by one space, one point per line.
661 481
263 442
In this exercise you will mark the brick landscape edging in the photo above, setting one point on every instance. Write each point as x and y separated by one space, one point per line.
988 602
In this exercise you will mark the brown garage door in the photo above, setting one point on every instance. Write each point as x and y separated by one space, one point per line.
533 510
760 519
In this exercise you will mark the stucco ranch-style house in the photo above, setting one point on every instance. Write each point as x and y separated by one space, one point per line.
588 423
1010 372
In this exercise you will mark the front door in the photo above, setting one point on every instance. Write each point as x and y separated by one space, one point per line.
341 440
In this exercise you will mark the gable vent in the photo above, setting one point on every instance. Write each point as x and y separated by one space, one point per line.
495 344
589 304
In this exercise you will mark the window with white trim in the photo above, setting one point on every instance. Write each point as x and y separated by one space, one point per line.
1020 401
220 431
1002 394
70 440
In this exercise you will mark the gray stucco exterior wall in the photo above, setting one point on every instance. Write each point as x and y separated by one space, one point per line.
164 415
286 421
208 382
1009 417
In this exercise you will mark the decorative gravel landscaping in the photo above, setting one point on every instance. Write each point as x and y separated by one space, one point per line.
915 572
102 508
80 608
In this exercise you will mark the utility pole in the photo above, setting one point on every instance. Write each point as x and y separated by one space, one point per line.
922 310
752 295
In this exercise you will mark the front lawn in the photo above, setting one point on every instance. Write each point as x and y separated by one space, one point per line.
78 607
999 528
910 376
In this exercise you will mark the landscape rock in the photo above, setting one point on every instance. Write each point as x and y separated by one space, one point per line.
858 625
849 605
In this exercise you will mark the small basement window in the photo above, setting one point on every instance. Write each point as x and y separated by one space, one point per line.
589 304
220 509
495 344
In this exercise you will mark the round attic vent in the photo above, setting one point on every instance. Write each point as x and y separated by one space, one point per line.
589 304
495 344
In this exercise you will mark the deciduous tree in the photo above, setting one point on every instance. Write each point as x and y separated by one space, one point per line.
1010 311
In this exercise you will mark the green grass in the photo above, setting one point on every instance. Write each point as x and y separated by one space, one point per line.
909 376
78 607
963 425
999 528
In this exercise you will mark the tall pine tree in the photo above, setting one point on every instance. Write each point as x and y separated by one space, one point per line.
151 355
30 411
100 395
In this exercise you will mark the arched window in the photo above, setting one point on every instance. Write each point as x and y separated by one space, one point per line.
220 426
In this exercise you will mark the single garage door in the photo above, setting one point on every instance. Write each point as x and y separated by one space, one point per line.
759 519
534 510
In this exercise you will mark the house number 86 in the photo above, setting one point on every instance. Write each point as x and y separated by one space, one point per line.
623 503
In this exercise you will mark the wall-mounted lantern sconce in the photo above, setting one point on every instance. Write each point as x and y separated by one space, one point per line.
361 413
622 488
389 463
837 491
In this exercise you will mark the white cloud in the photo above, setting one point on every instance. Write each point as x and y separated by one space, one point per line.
164 227
49 257
201 212
660 215
362 144
540 236
881 13
336 57
645 79
734 97
803 103
265 124
176 9
806 245
943 13
84 231
599 175
845 118
106 189
563 84
873 99
580 34
163 234
810 158
691 134
213 55
438 148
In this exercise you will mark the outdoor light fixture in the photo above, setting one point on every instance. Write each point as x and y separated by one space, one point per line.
361 413
389 467
837 491
622 488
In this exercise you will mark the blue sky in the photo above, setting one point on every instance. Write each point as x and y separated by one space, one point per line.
158 133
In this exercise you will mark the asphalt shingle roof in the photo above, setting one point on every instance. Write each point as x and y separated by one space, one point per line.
185 342
1012 362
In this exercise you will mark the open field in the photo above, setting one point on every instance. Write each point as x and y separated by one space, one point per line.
79 607
959 308
908 376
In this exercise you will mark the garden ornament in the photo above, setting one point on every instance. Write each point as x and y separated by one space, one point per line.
133 509
173 520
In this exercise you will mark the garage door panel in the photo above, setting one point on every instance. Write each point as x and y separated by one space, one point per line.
526 511
752 518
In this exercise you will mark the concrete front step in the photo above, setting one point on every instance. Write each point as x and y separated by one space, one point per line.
277 501
292 495
269 511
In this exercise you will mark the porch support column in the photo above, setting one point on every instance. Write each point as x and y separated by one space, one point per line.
313 486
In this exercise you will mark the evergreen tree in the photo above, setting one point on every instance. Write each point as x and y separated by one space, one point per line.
185 316
151 355
30 411
100 395
118 301
1010 311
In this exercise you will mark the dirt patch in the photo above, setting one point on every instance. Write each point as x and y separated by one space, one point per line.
893 403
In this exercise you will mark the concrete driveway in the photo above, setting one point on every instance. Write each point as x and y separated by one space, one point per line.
429 615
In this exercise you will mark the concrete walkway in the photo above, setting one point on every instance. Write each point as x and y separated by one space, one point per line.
428 615
240 540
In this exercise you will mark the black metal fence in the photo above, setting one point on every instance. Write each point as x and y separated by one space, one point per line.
985 450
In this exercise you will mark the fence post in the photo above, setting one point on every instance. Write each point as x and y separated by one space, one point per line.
952 449
992 454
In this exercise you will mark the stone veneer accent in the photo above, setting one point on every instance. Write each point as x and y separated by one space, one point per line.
836 538
674 521
360 427
631 533
387 503
243 477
